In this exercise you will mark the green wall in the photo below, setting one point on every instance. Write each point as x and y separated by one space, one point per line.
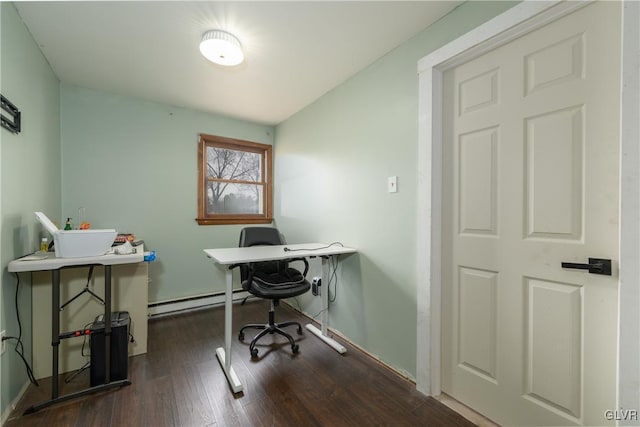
332 163
132 165
29 178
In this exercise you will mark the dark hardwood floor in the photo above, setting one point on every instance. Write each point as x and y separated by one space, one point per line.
179 383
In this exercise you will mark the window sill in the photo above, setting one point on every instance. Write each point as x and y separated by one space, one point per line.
234 220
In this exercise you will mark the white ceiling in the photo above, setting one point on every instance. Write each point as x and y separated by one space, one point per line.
295 51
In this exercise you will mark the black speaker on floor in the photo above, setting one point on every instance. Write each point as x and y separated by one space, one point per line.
119 354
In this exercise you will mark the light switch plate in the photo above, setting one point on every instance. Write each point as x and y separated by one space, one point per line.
392 184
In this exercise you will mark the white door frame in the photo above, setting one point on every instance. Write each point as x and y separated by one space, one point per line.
521 19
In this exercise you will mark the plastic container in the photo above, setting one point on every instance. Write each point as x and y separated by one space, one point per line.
44 245
150 256
83 243
78 243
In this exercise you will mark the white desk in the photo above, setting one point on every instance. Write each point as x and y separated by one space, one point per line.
230 256
51 262
54 264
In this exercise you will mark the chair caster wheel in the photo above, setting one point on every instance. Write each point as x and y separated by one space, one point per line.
295 348
241 336
254 352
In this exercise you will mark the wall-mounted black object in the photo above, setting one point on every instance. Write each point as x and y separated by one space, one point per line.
11 124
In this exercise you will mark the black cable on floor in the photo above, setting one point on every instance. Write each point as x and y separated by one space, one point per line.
19 347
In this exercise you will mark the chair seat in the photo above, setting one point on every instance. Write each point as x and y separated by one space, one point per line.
276 285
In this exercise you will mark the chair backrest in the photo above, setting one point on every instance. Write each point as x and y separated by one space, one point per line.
258 236
261 236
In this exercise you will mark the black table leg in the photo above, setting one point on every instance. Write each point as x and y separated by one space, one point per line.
107 323
55 330
55 345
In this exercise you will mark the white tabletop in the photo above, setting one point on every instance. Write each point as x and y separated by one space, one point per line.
227 256
51 262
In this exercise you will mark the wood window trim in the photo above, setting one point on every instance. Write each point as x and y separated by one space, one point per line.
265 151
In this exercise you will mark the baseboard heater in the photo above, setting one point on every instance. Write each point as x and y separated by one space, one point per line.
163 308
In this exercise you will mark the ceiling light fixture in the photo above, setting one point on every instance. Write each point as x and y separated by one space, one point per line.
221 48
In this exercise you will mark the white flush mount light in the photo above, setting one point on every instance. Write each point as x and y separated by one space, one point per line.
221 48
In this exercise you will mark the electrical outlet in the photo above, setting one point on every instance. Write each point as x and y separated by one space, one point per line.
2 342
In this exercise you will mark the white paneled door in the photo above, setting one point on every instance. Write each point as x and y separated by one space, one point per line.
531 180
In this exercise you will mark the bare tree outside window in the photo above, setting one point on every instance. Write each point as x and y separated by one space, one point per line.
234 181
229 194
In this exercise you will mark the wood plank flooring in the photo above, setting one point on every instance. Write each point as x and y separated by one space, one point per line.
179 383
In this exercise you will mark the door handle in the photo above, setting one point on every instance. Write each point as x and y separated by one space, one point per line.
595 266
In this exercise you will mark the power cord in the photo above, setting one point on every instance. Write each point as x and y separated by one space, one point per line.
86 364
314 249
318 314
19 347
333 277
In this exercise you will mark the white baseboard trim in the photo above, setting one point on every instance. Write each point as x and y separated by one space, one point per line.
462 409
395 370
7 412
165 308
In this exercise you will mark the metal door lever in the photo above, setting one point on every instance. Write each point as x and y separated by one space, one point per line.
595 266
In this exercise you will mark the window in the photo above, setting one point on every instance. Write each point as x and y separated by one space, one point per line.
234 181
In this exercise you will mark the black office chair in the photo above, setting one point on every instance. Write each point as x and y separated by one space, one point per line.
272 280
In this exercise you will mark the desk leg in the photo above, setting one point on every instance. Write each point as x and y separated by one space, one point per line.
224 354
107 324
324 316
55 331
55 346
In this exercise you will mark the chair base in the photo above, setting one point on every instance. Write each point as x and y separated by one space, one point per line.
270 328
